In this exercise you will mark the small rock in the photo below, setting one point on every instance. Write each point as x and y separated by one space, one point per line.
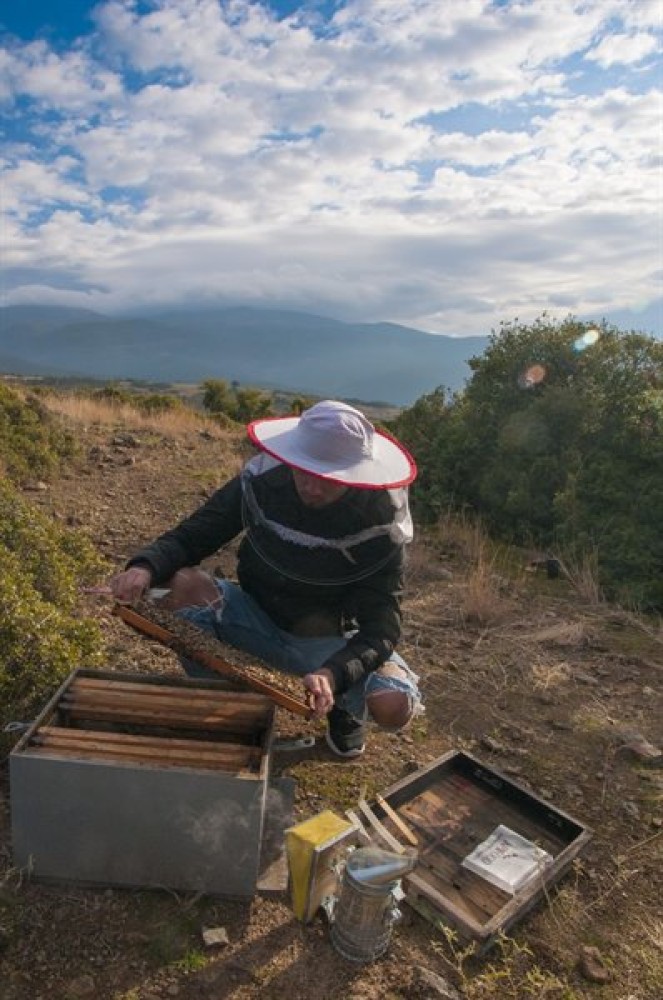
592 965
631 809
657 822
125 441
585 678
173 990
429 985
491 744
83 986
638 745
560 725
215 937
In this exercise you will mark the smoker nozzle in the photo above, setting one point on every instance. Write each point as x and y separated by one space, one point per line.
375 866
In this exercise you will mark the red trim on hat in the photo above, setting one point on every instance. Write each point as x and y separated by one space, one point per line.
412 475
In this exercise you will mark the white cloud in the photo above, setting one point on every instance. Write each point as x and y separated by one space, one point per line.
211 150
70 83
624 49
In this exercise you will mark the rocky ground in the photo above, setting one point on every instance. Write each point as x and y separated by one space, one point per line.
563 695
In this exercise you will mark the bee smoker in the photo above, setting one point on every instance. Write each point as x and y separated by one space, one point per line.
365 911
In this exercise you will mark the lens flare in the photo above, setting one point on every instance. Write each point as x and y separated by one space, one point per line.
586 340
532 376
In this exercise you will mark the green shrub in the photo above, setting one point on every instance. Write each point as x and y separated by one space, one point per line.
157 402
31 444
557 442
240 404
42 637
112 394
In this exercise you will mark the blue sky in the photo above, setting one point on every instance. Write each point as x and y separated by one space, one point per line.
446 164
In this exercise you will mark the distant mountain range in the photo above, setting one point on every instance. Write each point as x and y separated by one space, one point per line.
262 347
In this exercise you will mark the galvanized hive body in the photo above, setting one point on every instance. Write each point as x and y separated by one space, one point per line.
130 780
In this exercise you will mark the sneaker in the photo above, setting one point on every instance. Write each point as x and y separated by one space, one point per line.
345 736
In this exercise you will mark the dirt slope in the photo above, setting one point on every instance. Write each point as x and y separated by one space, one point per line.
538 684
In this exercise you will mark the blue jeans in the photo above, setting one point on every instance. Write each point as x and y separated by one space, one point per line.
242 623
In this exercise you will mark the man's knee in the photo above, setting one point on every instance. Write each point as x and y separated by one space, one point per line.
190 587
390 709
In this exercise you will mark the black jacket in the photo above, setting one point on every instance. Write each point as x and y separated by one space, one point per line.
294 561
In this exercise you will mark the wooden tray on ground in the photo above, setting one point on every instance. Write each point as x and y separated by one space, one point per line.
453 805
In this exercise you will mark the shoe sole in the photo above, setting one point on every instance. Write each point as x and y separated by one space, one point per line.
347 754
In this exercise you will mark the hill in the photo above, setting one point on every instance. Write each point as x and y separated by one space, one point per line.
274 349
518 669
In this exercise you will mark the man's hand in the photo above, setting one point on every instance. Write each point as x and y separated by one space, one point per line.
321 694
129 586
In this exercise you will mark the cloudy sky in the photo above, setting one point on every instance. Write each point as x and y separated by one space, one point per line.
447 164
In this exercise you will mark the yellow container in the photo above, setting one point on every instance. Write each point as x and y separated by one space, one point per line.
313 848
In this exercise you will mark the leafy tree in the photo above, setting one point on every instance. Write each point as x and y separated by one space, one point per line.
419 427
557 439
299 404
251 404
241 404
217 396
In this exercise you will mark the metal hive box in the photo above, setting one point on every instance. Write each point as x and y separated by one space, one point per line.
134 780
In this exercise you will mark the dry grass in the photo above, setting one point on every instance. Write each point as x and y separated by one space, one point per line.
582 572
574 633
82 411
549 675
484 601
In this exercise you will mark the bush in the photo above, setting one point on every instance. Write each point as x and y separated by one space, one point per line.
557 441
42 637
149 403
239 404
31 445
157 402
